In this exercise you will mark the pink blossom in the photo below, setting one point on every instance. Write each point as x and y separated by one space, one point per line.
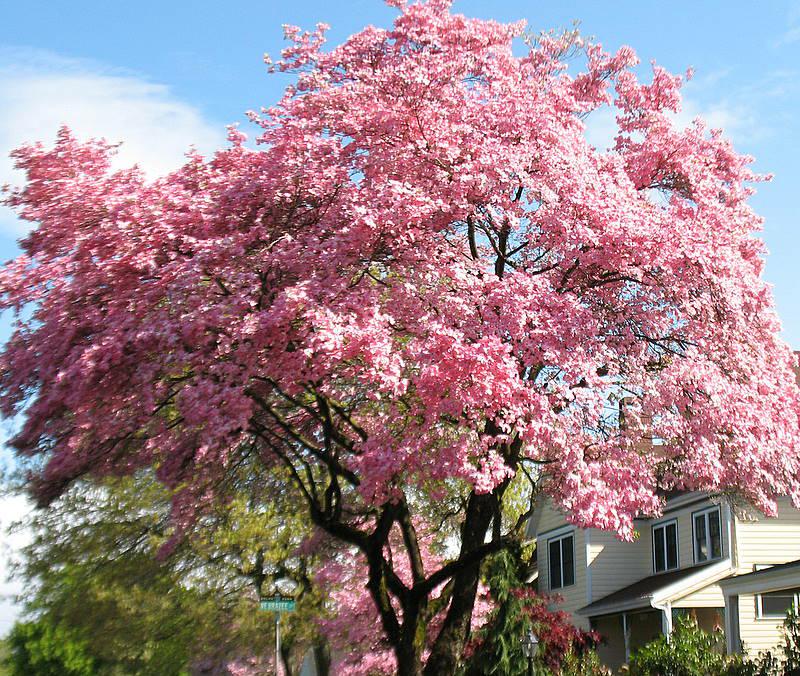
423 278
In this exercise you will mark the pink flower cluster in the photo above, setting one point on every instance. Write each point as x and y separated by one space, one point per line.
426 235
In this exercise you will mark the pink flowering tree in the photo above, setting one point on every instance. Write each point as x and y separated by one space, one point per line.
424 283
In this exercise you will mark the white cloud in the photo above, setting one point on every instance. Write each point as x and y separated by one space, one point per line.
40 91
601 127
740 123
12 508
790 36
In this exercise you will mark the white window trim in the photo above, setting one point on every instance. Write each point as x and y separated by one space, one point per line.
705 513
663 525
559 538
760 610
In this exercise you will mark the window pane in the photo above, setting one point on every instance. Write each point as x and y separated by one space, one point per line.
672 546
569 560
700 544
775 604
555 564
716 537
658 549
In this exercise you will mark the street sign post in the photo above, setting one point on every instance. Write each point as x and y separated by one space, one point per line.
278 605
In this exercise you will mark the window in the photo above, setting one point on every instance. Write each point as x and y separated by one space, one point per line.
665 546
775 604
707 535
561 558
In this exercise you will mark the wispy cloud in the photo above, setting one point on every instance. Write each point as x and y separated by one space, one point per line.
40 91
747 112
736 120
13 508
792 32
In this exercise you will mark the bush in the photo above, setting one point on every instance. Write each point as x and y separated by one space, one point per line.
689 652
768 664
694 652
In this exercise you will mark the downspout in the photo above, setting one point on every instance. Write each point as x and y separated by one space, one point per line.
733 550
666 617
589 562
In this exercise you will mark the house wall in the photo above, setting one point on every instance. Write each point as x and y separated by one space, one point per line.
604 564
574 596
763 541
707 597
684 516
552 523
548 518
614 564
756 634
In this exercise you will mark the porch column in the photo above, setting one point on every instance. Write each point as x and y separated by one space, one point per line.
732 640
626 636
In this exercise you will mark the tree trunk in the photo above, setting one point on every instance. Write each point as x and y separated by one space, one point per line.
449 645
409 662
412 640
322 658
285 663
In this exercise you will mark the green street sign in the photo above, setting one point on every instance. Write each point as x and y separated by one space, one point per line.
278 604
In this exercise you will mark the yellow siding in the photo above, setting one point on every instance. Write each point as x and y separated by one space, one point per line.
757 635
574 596
761 540
614 564
549 518
685 544
608 564
707 597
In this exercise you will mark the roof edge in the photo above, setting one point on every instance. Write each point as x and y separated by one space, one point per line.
707 574
702 578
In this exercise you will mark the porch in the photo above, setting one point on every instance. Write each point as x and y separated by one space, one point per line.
637 614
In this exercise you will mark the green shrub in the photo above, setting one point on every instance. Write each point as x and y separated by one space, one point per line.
694 652
690 651
788 664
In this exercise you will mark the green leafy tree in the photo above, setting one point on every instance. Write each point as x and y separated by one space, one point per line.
43 649
498 647
146 600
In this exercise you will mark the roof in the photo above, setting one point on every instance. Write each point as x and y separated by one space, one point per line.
780 576
656 588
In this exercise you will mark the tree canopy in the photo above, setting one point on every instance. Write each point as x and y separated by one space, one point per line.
424 283
99 585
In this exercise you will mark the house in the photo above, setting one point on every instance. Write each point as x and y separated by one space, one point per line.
702 556
757 602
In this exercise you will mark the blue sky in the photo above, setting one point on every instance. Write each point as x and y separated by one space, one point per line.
164 75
